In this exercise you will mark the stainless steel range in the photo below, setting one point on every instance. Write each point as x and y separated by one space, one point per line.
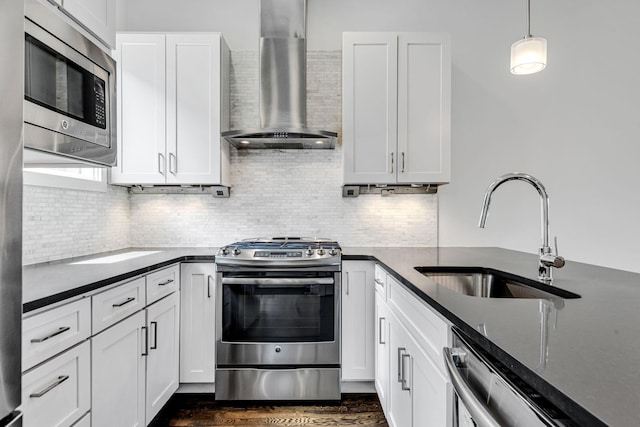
278 319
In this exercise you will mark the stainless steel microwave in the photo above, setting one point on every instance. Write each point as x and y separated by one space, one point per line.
69 96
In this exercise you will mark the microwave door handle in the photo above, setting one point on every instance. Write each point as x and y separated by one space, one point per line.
479 411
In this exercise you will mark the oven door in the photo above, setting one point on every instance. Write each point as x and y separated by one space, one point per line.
278 319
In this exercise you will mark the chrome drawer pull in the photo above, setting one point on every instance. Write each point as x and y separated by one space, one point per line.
125 302
60 330
154 346
60 380
404 380
165 283
209 277
379 282
145 352
400 370
380 341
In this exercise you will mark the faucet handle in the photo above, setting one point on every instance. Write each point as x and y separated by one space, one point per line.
553 260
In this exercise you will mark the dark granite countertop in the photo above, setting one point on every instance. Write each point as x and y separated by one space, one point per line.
584 356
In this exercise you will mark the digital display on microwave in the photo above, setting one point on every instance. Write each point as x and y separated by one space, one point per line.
57 83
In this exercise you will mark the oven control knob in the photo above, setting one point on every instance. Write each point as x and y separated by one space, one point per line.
278 349
309 251
235 251
333 252
224 251
321 251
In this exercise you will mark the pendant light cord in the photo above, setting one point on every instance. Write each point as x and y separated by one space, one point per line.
529 18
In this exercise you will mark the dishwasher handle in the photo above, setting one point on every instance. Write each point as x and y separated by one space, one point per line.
479 411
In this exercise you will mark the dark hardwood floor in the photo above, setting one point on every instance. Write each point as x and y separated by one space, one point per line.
202 410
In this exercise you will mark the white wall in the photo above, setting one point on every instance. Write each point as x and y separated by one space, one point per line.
574 126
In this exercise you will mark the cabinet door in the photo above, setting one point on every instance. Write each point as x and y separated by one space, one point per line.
118 374
197 323
141 110
382 351
98 16
358 321
399 403
163 323
369 108
429 391
424 108
193 108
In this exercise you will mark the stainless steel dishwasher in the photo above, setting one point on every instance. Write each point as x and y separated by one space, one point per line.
488 395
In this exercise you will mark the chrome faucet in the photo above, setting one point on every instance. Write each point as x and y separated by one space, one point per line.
547 260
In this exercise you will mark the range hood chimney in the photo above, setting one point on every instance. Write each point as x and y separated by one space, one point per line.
283 80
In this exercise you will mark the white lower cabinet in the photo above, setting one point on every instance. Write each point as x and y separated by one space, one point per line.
163 323
118 374
57 392
358 289
197 323
135 362
418 390
382 352
414 390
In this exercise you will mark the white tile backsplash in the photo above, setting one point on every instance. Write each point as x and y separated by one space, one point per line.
61 223
292 192
284 193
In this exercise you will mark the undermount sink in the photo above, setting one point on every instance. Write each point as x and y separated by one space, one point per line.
488 283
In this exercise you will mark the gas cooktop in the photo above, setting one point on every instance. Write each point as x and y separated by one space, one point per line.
280 249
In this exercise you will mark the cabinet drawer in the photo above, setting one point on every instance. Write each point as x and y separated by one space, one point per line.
57 393
51 332
380 279
430 331
163 282
117 303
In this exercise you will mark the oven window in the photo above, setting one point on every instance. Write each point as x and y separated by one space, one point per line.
56 83
278 313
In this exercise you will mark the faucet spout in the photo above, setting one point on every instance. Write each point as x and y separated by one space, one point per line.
547 260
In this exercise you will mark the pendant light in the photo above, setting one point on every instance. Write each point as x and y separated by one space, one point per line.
529 55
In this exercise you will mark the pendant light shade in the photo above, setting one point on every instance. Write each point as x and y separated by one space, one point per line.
529 55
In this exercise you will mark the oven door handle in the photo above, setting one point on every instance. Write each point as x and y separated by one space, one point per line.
479 412
277 281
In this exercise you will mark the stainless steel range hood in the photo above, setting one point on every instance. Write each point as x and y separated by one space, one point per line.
283 79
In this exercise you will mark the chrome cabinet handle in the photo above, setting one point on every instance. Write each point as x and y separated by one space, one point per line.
125 302
60 330
380 341
60 380
391 162
400 372
161 164
209 277
166 282
173 165
404 379
379 282
347 283
155 336
478 411
146 341
277 281
402 162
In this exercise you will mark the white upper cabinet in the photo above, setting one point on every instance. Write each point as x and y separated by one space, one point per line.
396 108
98 16
172 93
